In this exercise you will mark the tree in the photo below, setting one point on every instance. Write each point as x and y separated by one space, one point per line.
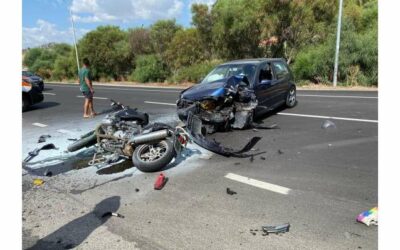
185 49
31 56
202 20
149 68
236 29
139 41
161 34
107 49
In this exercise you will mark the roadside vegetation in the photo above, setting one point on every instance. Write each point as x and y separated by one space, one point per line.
303 32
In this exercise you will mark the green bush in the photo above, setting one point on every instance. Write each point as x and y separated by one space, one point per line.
149 68
314 64
195 72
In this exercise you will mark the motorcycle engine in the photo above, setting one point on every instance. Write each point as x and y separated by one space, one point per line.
119 133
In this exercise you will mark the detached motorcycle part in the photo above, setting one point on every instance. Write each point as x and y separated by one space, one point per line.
149 137
276 229
86 140
36 151
153 157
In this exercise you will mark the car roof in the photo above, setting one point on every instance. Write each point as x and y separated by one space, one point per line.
253 60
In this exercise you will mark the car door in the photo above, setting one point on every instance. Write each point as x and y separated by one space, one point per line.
282 74
265 86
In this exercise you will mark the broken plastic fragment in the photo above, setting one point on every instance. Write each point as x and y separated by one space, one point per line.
42 138
369 217
230 192
107 214
328 124
38 182
276 229
160 182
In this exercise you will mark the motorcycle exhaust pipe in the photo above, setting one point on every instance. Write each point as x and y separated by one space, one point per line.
150 137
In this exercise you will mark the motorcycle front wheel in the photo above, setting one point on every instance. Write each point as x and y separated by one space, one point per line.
153 157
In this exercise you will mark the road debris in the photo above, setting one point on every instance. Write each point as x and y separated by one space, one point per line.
276 229
280 152
38 182
160 182
369 217
197 131
263 158
251 159
230 191
42 138
137 190
48 173
328 124
108 214
72 139
36 151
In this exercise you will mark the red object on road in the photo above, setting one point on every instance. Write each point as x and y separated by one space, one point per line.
160 182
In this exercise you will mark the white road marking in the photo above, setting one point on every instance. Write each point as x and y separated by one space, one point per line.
94 97
48 93
259 184
329 117
161 103
39 124
341 96
64 131
293 114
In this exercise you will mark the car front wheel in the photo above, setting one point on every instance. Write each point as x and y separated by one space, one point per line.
291 100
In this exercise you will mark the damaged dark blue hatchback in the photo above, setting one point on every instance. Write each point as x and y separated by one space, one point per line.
233 93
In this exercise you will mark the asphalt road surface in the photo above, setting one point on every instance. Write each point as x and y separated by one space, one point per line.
316 179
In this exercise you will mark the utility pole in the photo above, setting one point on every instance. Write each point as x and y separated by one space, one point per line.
73 31
339 26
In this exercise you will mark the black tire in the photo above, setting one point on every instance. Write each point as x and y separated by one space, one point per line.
25 103
291 99
86 140
168 153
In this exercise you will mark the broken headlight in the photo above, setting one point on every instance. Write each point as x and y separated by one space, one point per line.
208 104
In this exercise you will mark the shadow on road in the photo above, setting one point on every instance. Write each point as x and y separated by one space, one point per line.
43 105
75 232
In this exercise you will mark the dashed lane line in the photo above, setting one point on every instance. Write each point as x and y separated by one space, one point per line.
329 117
161 103
39 125
48 93
260 184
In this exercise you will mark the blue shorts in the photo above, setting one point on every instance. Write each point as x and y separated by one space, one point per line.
87 95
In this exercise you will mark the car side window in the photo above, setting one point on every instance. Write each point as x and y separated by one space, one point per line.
281 70
266 73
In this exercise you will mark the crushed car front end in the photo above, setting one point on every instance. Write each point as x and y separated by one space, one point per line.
222 104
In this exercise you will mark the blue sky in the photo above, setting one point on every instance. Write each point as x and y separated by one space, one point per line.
45 21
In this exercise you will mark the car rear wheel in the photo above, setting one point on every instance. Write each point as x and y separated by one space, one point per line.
25 103
291 100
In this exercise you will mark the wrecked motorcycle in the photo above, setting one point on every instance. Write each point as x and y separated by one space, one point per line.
126 132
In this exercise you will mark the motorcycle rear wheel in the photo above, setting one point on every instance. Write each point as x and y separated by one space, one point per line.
153 157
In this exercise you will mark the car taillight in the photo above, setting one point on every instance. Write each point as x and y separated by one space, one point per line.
26 84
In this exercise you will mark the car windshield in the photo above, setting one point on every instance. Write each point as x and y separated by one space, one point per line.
225 71
27 73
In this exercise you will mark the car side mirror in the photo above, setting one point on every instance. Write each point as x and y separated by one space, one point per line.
266 82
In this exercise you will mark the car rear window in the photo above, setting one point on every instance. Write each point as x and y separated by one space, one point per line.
281 70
